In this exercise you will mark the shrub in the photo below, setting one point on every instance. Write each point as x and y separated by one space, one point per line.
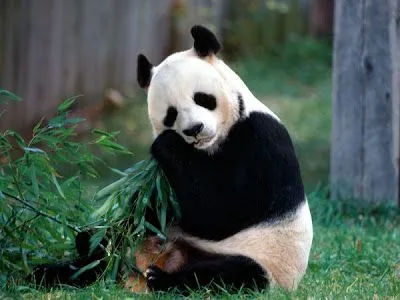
43 202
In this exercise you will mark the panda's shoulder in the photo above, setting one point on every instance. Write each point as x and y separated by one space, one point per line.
260 126
261 121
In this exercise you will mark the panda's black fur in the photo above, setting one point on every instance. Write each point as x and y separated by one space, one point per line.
255 170
252 179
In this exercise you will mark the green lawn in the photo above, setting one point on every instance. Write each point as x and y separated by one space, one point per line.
355 255
356 249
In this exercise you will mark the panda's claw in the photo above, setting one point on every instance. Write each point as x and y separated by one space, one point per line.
157 279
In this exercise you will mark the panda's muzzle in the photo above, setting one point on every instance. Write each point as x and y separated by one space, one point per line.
194 130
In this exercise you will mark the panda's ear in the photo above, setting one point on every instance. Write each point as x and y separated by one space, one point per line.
143 71
205 42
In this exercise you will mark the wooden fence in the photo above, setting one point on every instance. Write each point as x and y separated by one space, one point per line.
53 49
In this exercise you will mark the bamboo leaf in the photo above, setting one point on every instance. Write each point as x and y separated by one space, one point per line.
136 166
24 260
58 121
110 188
105 208
85 268
163 217
34 150
140 228
74 120
154 229
96 239
55 181
20 140
9 95
34 181
105 133
115 268
37 126
67 103
174 204
107 143
70 181
119 172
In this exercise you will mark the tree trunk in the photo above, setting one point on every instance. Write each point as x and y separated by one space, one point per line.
363 150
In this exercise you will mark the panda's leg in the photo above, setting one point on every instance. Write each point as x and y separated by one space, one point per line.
49 275
234 271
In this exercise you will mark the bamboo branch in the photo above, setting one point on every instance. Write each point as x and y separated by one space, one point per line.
41 213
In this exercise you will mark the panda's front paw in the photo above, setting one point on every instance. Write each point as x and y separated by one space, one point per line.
158 280
169 145
168 139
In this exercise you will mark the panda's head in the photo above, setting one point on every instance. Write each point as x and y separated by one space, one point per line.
186 93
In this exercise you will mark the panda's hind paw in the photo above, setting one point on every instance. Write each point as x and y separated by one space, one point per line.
157 279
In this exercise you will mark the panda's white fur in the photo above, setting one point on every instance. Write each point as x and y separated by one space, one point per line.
173 82
281 247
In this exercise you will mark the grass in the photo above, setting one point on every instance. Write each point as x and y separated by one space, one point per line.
355 255
356 249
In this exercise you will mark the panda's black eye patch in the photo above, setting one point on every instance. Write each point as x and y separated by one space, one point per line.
205 100
170 118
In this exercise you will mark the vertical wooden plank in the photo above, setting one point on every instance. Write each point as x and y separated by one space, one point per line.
140 27
322 17
395 57
112 56
94 45
10 56
5 50
160 29
138 38
122 40
33 59
362 141
9 15
7 45
20 111
55 59
43 64
70 43
3 7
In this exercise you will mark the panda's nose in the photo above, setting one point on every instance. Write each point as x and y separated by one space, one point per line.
194 130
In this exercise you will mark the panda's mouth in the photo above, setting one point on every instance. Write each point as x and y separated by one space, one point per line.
204 142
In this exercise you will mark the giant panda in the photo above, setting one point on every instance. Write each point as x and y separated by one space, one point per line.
245 220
